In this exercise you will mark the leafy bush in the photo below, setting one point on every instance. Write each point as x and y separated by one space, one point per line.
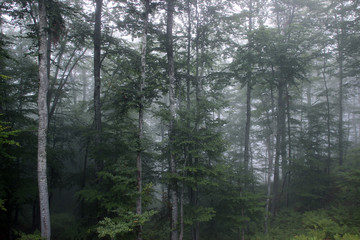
33 236
347 236
125 223
319 221
312 235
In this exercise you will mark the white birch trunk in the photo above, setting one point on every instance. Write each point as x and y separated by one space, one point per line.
43 124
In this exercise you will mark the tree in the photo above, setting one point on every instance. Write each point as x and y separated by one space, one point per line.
141 115
43 123
340 39
97 79
171 86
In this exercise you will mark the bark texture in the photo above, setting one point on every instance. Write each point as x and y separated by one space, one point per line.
97 78
340 44
171 72
43 124
141 117
280 148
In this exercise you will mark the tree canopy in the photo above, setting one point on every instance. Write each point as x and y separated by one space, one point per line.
180 119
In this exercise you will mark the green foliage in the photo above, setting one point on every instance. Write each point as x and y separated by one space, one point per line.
286 225
114 189
2 208
340 218
5 138
311 225
219 196
310 184
347 236
33 236
125 222
313 235
234 207
320 221
198 214
65 226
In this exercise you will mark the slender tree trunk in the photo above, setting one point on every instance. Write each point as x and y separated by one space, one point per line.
48 57
340 34
74 90
83 180
244 226
279 145
247 127
43 124
97 79
84 84
270 156
187 158
248 113
288 115
341 130
340 45
248 95
269 149
195 233
328 159
141 118
187 155
287 177
188 79
52 81
63 81
171 72
181 235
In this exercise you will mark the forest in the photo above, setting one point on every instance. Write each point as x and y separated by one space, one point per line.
180 119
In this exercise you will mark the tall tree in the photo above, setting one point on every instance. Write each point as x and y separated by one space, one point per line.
328 116
97 79
187 154
43 123
249 76
248 89
141 115
340 38
171 73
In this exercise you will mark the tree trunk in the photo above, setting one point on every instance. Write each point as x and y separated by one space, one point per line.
270 156
141 118
181 235
287 177
97 79
84 84
43 124
247 127
83 180
187 155
195 233
328 159
340 45
188 79
248 113
63 81
269 149
172 163
279 145
248 96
